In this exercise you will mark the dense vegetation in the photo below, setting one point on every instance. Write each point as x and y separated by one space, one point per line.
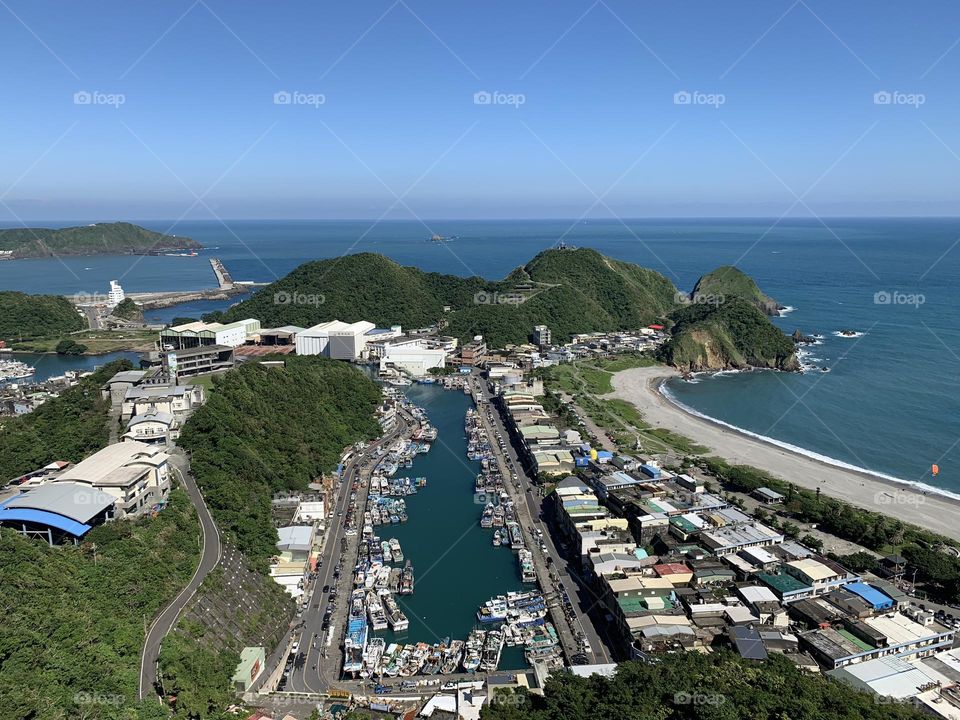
875 531
119 238
74 617
729 282
728 334
26 316
127 309
266 430
68 427
70 347
365 286
569 290
200 656
692 685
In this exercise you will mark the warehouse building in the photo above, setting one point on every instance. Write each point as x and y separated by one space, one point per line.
335 339
61 512
349 343
198 334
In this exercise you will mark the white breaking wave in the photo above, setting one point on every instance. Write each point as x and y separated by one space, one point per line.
665 391
786 310
854 334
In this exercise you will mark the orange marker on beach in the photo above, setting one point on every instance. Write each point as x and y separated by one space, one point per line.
935 469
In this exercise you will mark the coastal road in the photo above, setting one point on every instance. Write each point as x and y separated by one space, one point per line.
534 510
93 316
209 559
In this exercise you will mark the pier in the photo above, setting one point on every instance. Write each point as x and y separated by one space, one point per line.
226 288
223 277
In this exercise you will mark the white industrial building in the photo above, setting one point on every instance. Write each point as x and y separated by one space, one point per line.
350 342
413 361
198 334
335 339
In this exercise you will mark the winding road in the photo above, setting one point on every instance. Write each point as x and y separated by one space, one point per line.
209 559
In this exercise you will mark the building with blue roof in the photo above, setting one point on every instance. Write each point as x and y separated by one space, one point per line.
57 512
870 595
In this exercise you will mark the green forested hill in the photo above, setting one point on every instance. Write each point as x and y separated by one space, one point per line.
728 282
569 290
266 430
118 238
365 286
73 617
29 316
68 427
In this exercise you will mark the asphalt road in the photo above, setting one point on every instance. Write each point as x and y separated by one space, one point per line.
318 664
209 558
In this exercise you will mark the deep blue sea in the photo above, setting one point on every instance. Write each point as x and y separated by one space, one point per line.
890 402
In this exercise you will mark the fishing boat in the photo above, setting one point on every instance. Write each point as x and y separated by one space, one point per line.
473 650
15 370
398 621
527 572
395 550
493 611
434 661
451 657
406 580
491 651
371 657
486 520
496 539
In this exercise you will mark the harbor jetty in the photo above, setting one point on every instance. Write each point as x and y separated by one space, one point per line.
226 288
223 277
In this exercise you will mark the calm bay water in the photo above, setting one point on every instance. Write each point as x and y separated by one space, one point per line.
456 568
890 403
49 365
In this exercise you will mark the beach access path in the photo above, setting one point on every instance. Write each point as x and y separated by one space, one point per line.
640 386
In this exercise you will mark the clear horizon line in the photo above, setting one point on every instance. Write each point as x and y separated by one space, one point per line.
780 220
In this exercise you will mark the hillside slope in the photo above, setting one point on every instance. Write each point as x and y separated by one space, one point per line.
569 290
266 430
118 238
30 316
732 334
365 286
728 282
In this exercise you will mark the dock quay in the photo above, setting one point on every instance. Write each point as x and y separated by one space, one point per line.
567 632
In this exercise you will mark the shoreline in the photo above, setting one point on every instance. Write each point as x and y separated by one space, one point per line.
933 510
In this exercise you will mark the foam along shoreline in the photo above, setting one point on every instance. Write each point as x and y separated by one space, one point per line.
911 502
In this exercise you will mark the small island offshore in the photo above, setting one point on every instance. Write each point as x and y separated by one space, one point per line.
115 238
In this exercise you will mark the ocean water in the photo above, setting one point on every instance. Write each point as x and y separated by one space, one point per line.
890 402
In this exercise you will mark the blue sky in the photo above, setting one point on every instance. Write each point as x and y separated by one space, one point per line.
582 117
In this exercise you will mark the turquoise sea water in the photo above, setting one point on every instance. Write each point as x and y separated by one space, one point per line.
890 403
456 568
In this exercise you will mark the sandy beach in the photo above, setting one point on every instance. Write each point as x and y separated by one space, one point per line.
640 386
